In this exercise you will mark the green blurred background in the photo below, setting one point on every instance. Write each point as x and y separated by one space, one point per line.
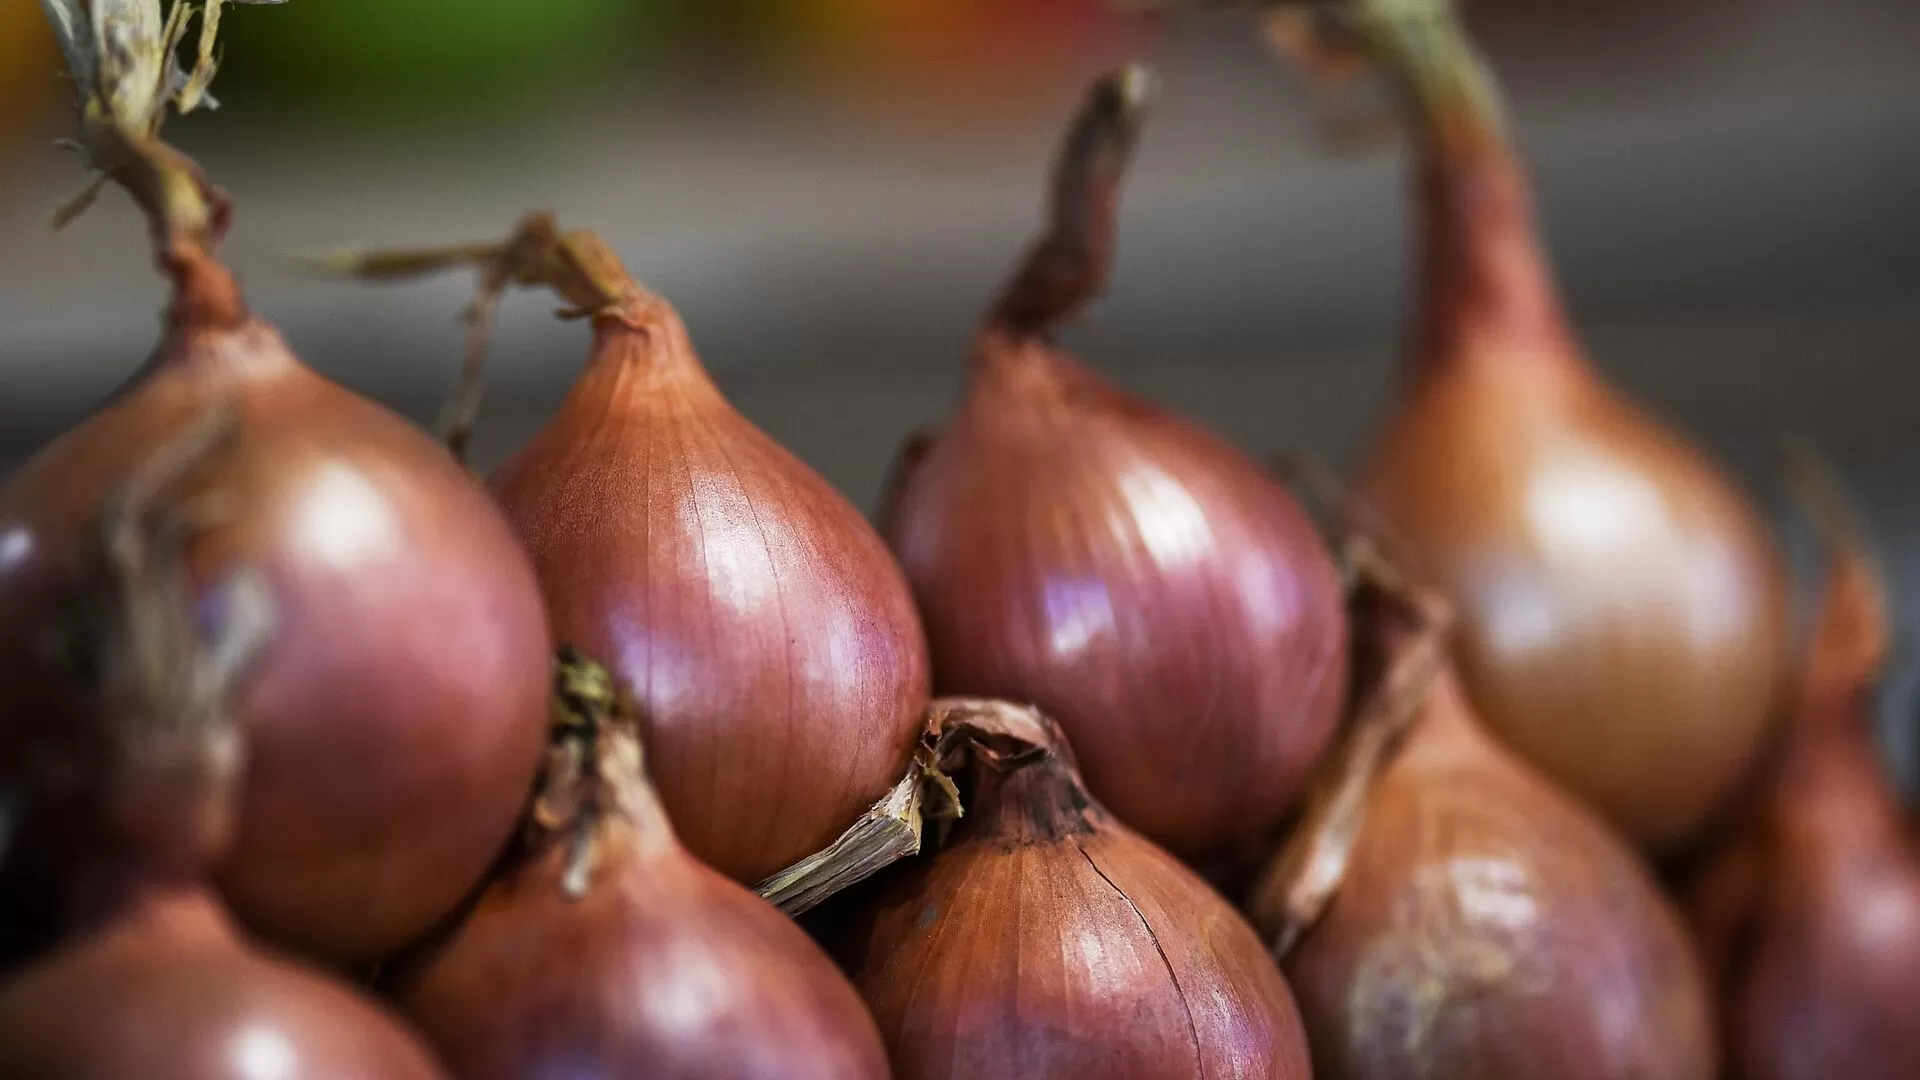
829 189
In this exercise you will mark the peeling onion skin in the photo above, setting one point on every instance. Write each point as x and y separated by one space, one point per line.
397 720
769 639
167 991
1489 927
1074 546
1050 942
662 970
1812 919
1622 608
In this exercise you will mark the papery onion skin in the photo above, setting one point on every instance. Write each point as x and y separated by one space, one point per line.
167 991
1811 919
1622 609
662 969
1074 546
397 721
768 637
1048 941
1488 927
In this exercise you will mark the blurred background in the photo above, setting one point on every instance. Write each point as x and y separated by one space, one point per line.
831 189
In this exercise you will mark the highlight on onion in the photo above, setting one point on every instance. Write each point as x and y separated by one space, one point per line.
397 720
147 977
769 641
1047 940
1470 920
1074 546
602 948
1810 920
1621 607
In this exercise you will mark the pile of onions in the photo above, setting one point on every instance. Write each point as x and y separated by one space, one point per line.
1074 546
767 637
398 718
146 975
604 949
1046 940
1811 919
1485 926
1621 607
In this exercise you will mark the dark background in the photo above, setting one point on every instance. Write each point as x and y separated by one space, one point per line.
829 190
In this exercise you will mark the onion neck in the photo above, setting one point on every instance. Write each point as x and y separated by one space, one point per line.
644 346
1041 801
1068 266
1486 291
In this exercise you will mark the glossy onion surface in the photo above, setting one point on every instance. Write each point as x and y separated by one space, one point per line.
1621 607
1490 928
1048 941
1819 952
1075 547
772 646
397 719
166 991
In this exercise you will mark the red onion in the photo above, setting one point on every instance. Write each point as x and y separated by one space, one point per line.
1621 606
148 977
1077 547
605 949
1484 926
397 723
1811 920
775 658
1048 941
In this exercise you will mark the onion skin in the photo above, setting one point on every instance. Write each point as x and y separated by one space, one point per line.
769 639
166 991
1811 918
661 969
1622 610
1074 546
397 721
1049 941
1489 927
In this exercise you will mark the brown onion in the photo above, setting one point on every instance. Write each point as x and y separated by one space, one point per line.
1621 607
398 721
1077 547
148 978
1049 941
1812 919
605 949
771 646
1488 927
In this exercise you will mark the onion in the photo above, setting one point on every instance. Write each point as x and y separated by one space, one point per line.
605 949
397 722
1811 920
1621 608
1047 940
771 645
148 977
1074 546
1484 925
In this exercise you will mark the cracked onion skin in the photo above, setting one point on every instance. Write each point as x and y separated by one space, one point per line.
396 723
766 633
1077 547
167 991
1811 921
1622 608
1489 927
1048 941
661 969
